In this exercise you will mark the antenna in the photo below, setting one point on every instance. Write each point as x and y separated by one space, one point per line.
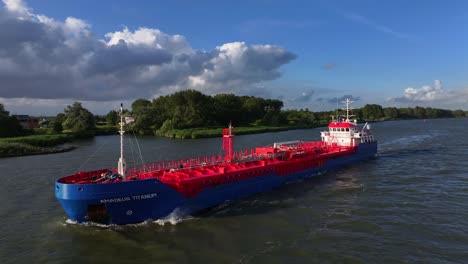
337 113
121 166
348 103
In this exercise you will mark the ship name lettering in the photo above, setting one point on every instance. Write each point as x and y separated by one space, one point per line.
128 198
145 196
116 200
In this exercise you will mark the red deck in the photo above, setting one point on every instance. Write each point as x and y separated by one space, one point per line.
191 176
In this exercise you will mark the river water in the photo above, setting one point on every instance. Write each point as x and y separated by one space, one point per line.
407 205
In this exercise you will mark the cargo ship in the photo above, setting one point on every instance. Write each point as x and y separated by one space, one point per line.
152 191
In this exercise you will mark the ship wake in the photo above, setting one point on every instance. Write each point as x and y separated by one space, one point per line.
174 218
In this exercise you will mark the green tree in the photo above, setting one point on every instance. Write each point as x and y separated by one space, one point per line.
372 112
253 108
57 126
100 119
140 105
193 109
228 107
391 113
273 104
112 118
406 112
144 115
458 113
3 112
79 120
419 112
9 125
300 117
272 118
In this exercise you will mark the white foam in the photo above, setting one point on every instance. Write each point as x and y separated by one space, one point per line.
408 140
71 222
173 218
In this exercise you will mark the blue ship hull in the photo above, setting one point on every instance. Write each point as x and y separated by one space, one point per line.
137 201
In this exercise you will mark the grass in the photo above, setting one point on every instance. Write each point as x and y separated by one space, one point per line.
34 144
47 140
102 130
11 149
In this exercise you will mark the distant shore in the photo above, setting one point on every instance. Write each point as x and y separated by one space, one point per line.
194 133
54 143
18 149
34 145
46 143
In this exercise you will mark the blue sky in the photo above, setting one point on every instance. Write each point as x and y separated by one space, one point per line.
307 53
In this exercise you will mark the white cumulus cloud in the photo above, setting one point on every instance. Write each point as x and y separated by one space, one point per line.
434 96
17 6
425 93
44 58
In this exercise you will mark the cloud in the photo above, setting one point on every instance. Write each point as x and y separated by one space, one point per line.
425 93
304 97
41 57
435 95
329 66
334 100
17 6
374 25
238 64
50 107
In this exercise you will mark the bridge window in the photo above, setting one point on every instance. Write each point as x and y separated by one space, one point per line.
347 129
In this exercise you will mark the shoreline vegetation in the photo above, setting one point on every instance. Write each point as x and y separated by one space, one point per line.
186 114
195 133
19 149
38 144
35 145
58 143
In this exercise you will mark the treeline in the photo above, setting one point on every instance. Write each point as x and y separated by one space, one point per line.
369 113
9 125
193 109
373 112
76 120
190 108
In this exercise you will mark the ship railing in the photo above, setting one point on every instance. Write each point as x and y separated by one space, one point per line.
84 177
193 163
151 170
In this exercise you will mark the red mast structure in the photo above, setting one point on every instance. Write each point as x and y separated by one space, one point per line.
228 143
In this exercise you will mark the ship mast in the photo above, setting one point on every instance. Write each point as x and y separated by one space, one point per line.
228 143
348 102
121 166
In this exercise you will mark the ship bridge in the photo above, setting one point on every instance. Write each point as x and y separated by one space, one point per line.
344 132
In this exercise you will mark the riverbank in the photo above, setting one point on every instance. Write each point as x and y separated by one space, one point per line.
194 133
51 143
35 145
21 149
